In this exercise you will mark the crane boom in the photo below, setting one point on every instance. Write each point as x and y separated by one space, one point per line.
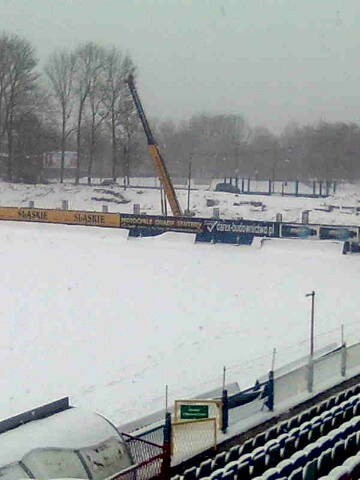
155 152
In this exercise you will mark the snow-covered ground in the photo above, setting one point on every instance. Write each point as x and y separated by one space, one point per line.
342 205
109 321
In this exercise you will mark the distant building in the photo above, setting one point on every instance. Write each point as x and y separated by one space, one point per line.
53 160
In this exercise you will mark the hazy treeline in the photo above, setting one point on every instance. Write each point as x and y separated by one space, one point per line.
80 102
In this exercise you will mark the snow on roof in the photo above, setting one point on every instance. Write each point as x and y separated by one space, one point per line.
74 428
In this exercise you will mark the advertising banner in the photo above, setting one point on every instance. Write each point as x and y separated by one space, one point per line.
72 217
152 222
338 232
236 231
296 230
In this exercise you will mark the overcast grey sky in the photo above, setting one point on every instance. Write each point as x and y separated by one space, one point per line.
274 61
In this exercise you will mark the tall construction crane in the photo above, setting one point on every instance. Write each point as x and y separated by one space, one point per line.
155 153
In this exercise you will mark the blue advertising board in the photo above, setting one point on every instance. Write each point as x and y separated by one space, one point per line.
236 231
334 232
296 230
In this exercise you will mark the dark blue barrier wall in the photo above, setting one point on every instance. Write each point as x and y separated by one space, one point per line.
237 232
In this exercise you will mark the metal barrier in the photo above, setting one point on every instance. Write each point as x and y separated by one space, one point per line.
320 373
191 437
149 459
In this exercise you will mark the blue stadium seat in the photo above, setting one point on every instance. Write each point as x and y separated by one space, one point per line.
244 471
289 447
310 470
338 452
273 455
281 439
348 412
325 463
351 445
282 427
356 409
247 446
338 419
258 462
315 431
285 468
217 474
259 440
228 476
296 474
205 468
322 407
299 459
270 474
219 460
339 473
340 397
326 426
232 467
233 454
293 423
271 433
330 402
302 440
190 474
353 466
304 417
312 451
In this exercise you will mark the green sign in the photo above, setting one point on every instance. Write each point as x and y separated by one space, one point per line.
194 412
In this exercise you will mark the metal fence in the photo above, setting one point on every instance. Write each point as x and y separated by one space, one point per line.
317 374
148 457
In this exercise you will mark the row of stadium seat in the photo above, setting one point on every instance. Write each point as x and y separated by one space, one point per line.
278 443
349 470
317 459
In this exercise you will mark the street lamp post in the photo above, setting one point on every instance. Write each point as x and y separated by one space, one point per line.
312 326
189 187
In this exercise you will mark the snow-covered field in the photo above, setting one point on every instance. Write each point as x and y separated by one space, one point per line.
342 211
108 321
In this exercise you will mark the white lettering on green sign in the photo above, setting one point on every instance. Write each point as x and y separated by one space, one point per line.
194 412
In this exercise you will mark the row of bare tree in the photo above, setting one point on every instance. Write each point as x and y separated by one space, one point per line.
81 99
81 102
225 146
89 87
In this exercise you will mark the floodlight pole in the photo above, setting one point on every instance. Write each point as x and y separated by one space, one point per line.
312 326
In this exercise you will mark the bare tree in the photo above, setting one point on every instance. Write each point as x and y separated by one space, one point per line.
117 103
60 69
17 80
89 61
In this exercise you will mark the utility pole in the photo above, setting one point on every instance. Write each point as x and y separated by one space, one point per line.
312 325
189 187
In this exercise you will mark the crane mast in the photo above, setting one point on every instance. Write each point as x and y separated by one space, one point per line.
155 152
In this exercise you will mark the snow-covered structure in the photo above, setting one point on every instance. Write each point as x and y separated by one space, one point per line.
72 443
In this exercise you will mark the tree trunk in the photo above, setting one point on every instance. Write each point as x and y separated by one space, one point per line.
63 141
10 150
91 157
78 144
113 145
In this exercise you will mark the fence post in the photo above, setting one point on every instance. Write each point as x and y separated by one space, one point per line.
225 411
310 379
166 463
296 188
270 400
343 359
